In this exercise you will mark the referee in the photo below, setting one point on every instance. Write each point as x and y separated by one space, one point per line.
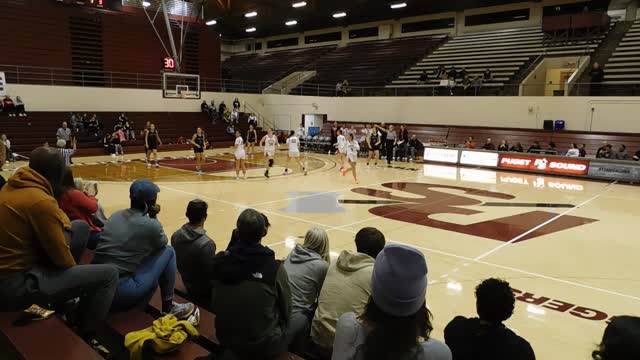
392 139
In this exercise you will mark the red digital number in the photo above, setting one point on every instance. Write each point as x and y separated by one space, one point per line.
169 63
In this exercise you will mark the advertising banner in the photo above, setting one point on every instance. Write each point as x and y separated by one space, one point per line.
615 171
441 155
544 164
479 158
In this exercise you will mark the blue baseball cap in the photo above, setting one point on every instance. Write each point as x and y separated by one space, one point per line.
144 190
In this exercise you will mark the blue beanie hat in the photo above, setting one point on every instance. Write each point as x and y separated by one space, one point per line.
399 281
144 190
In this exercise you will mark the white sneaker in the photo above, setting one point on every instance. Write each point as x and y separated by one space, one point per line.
157 165
148 165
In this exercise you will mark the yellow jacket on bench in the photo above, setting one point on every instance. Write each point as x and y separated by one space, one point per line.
165 335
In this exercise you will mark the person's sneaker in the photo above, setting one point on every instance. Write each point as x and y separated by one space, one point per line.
244 177
100 349
148 165
157 165
182 311
266 174
305 172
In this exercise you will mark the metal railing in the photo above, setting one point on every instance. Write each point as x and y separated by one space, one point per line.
33 75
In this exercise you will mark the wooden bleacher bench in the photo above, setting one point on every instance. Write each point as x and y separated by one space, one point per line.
44 339
125 322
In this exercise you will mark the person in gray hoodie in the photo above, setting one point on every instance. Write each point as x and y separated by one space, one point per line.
195 252
346 288
307 266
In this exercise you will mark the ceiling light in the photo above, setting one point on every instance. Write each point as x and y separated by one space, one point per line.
291 23
339 15
251 14
146 4
250 30
299 4
398 5
211 22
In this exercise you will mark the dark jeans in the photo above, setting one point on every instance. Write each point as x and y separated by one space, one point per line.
298 332
42 285
389 147
156 270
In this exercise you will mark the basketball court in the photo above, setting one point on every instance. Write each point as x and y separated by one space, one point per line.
550 237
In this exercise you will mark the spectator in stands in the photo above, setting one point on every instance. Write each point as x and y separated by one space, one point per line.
66 153
94 125
453 73
552 147
415 147
574 151
462 73
6 144
204 107
8 106
391 142
424 78
477 85
122 119
597 76
134 241
489 145
195 252
251 288
636 156
300 133
307 266
620 340
129 130
236 105
346 288
79 206
339 88
504 146
535 147
583 150
253 120
396 323
487 337
517 148
346 89
439 72
607 153
213 112
109 148
622 153
400 152
467 85
222 108
19 107
470 143
487 75
64 133
601 148
40 248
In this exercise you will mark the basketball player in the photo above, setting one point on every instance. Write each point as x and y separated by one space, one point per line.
341 145
199 142
117 138
294 152
143 134
270 142
151 142
374 141
240 156
352 156
252 137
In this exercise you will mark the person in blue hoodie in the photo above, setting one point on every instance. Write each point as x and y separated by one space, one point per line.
194 253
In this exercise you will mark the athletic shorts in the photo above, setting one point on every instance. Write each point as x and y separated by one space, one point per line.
269 152
375 148
198 150
240 155
153 147
352 158
295 154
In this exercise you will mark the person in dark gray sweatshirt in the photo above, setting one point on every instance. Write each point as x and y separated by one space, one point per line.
307 266
195 252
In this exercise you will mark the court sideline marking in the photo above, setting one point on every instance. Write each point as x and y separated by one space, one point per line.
610 292
535 228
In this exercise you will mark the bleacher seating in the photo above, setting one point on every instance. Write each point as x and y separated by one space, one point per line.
171 125
505 52
623 67
371 63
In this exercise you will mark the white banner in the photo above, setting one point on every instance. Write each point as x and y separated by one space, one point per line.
3 84
441 155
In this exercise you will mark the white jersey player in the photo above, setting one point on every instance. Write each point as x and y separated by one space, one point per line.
270 142
352 156
341 145
294 152
240 156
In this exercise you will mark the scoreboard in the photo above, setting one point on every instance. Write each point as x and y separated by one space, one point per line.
98 4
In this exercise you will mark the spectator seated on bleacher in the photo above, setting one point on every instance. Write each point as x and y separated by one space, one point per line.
605 152
346 288
8 106
487 75
307 266
517 148
504 146
583 150
620 340
535 147
134 241
489 145
79 206
19 110
236 105
621 154
415 148
396 323
6 144
251 294
204 107
31 219
486 337
470 143
574 151
195 252
424 78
